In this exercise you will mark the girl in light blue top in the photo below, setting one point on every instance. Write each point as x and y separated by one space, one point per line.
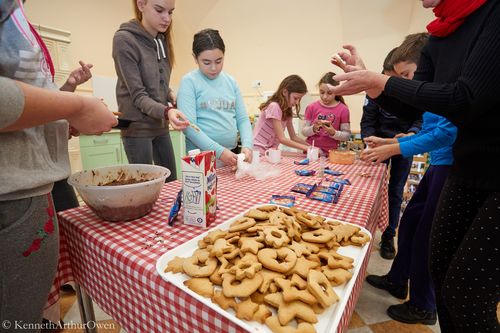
211 100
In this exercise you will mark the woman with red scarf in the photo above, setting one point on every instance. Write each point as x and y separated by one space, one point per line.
458 77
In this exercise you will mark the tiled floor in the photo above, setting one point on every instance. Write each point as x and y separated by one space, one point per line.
369 316
370 313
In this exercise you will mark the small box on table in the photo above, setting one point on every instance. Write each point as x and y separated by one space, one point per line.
199 187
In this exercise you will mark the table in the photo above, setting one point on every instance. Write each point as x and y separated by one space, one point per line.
115 262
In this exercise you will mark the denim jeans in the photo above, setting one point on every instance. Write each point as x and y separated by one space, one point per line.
399 170
146 150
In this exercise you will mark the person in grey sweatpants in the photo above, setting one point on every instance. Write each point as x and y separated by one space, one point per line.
34 121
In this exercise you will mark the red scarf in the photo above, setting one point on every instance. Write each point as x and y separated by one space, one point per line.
450 14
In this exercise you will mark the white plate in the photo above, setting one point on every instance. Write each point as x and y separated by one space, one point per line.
327 321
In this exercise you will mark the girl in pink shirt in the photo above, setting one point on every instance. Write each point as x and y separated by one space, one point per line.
277 115
327 120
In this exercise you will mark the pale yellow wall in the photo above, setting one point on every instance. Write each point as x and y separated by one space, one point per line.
92 24
265 39
268 40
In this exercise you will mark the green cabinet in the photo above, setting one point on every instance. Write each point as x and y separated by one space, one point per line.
107 149
102 150
179 143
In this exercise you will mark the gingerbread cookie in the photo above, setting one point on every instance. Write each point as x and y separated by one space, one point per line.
275 237
257 214
241 224
337 276
199 264
223 301
244 288
246 309
319 286
249 244
175 265
201 286
274 324
292 293
245 269
279 260
290 310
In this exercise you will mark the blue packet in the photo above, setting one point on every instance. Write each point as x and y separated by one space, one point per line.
342 181
316 194
330 189
336 186
301 188
305 172
174 211
305 161
325 197
283 200
331 172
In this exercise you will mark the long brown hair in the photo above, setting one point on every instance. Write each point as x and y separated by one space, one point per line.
328 79
167 34
292 84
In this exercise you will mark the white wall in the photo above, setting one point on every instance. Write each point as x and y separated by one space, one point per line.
265 39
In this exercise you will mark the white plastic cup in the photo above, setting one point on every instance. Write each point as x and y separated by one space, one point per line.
255 157
273 155
313 153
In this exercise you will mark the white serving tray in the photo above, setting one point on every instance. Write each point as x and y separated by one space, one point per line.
327 321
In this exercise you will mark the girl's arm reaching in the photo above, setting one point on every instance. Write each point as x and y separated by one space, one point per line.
343 134
294 141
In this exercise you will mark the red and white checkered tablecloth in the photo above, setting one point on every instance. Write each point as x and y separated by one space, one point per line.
115 262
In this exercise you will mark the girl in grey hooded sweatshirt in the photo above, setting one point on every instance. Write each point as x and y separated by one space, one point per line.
143 56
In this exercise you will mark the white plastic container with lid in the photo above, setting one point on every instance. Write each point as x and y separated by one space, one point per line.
322 164
194 152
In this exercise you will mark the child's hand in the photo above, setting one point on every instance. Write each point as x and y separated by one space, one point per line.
373 141
248 154
317 125
177 119
329 128
80 75
380 154
229 158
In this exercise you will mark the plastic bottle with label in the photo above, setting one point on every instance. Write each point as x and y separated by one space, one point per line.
322 164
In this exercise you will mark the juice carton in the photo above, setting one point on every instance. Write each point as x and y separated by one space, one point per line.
199 187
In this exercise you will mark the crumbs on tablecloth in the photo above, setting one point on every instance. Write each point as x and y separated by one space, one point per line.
157 240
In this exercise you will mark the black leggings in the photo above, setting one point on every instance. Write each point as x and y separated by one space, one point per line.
465 259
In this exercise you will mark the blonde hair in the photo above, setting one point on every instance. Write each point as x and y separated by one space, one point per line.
167 34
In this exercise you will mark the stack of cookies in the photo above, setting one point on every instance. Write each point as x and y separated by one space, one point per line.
273 257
